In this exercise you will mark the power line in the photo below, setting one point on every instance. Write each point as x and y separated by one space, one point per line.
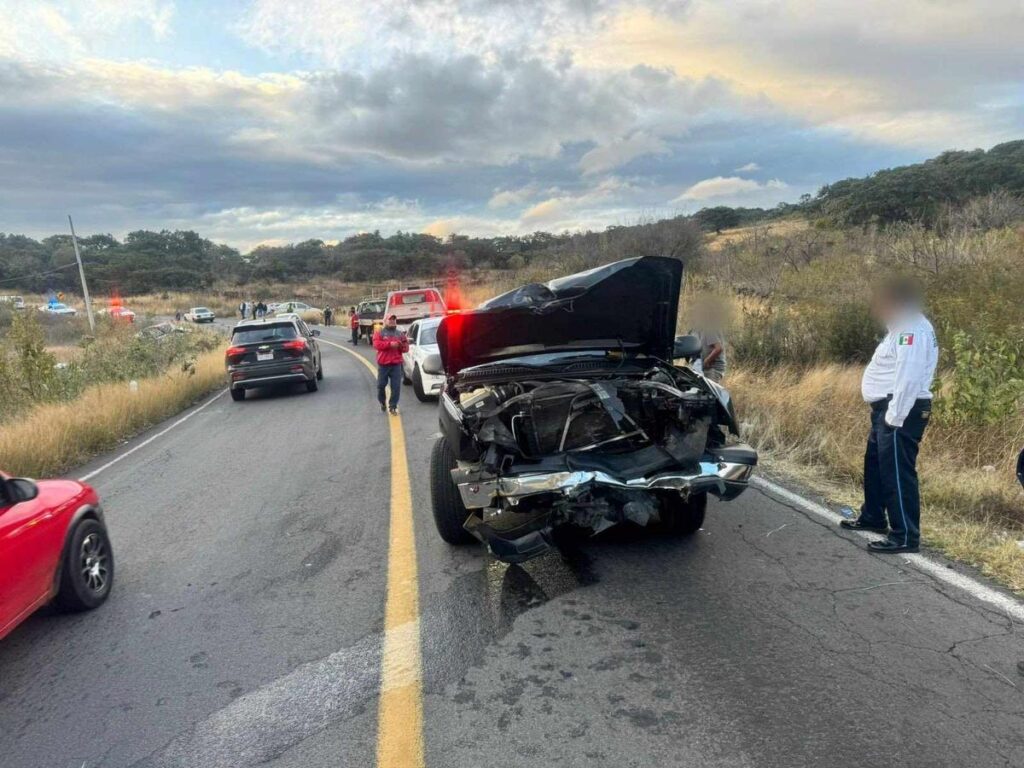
43 274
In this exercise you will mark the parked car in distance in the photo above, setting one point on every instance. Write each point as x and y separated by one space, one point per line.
58 308
414 304
558 410
53 545
272 351
298 307
16 302
422 342
199 315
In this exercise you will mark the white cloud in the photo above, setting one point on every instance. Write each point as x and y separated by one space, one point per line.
60 29
728 186
509 198
620 151
249 226
353 32
415 109
748 168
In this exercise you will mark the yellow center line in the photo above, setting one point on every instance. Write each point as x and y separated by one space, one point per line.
400 713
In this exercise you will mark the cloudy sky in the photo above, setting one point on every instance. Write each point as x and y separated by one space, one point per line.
277 120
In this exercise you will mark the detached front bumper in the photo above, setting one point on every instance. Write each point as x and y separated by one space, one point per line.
724 474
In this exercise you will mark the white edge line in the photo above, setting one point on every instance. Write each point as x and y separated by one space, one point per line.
148 440
1005 603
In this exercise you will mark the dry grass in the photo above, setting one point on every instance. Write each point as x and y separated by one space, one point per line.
812 424
715 241
168 303
51 439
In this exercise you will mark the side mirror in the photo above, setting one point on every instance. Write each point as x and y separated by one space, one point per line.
686 348
19 489
432 365
314 332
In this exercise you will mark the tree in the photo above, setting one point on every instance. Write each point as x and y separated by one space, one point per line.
718 218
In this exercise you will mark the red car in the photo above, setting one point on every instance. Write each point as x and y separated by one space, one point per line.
53 545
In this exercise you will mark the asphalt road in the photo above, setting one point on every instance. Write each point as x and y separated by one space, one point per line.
247 625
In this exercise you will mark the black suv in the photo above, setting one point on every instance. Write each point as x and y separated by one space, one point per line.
272 351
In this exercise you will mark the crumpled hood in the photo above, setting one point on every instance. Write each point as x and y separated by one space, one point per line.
630 305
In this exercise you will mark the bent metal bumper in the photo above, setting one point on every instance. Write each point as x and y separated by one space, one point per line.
726 479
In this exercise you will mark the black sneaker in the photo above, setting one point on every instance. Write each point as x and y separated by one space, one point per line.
383 408
857 525
890 547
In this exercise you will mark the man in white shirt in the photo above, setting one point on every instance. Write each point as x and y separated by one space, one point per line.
897 385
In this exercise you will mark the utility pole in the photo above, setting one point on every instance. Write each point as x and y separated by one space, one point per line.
81 273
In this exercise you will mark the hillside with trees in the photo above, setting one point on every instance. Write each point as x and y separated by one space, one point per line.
922 194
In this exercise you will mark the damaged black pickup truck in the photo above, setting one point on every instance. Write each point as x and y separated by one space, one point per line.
562 406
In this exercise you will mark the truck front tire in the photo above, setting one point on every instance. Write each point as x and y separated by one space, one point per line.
449 512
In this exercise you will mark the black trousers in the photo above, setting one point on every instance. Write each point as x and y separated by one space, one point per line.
890 473
355 335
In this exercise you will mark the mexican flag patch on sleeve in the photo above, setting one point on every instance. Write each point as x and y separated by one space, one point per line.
906 339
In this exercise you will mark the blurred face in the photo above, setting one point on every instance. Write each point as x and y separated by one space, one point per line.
708 313
391 322
881 308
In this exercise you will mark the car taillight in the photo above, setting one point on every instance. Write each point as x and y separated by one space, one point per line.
235 352
298 345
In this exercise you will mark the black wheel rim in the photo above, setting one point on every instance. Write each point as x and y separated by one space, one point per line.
94 563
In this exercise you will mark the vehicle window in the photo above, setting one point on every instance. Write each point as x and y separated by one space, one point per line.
413 331
200 309
276 332
408 298
428 336
303 328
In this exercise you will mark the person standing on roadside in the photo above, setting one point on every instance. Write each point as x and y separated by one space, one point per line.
708 322
390 343
241 310
328 315
353 323
897 385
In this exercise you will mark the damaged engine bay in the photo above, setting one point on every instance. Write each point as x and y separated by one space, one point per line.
528 420
533 440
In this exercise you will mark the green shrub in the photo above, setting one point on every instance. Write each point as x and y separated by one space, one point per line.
849 333
771 336
30 375
986 382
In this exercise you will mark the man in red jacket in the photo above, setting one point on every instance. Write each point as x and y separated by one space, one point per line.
353 322
390 343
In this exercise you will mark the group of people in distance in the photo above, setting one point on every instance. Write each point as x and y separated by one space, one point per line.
252 310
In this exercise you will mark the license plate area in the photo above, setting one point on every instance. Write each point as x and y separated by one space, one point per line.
262 357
